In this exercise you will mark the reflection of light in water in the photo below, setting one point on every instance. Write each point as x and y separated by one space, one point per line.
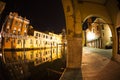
36 56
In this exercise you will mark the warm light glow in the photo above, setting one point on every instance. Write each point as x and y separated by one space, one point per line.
0 35
90 36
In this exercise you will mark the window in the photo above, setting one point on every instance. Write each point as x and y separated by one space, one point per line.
39 35
46 37
111 39
7 39
16 23
26 26
14 31
31 55
36 41
37 55
43 36
46 43
50 37
31 41
20 24
103 34
18 32
19 41
36 34
102 27
93 31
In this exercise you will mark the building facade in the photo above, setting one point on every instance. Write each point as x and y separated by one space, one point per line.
99 35
17 35
14 31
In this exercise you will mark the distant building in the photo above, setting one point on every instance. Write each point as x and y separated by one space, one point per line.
18 34
45 40
14 31
99 35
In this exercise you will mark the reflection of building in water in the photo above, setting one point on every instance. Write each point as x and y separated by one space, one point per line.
36 56
18 34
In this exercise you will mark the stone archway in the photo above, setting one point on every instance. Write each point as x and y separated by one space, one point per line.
76 12
103 22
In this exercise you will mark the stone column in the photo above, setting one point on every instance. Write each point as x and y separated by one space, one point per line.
74 54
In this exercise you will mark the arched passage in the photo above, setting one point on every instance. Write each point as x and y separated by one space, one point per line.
97 33
76 12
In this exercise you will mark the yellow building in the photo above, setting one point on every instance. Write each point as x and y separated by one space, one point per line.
44 40
14 31
99 34
17 36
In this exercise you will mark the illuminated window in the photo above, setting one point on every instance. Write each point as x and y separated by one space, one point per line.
19 41
20 24
26 26
14 31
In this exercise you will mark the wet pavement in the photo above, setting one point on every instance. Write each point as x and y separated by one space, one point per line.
96 65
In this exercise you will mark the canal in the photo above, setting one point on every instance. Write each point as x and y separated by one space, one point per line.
40 64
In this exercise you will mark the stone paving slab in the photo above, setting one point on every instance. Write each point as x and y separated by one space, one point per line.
94 67
72 74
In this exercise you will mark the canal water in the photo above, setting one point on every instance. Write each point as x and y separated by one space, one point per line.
40 64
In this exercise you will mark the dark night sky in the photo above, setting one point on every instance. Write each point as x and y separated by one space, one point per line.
44 15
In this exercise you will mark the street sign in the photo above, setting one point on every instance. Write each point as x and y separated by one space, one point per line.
10 35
